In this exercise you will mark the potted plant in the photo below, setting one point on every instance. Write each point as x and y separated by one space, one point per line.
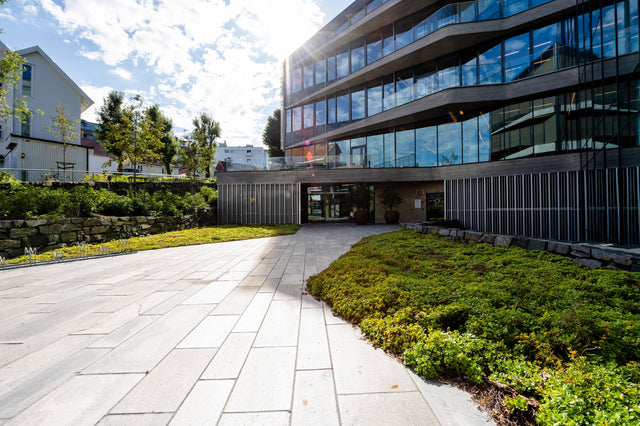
361 196
390 198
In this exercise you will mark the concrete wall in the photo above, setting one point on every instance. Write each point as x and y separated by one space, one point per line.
47 235
410 192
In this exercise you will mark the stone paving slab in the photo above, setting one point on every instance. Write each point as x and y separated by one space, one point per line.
213 334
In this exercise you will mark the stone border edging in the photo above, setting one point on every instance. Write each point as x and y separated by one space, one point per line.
590 256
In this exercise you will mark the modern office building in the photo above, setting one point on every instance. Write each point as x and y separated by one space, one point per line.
514 117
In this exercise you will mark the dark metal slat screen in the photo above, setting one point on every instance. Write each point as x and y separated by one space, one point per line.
254 204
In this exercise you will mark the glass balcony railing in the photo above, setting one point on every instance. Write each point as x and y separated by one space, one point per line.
339 161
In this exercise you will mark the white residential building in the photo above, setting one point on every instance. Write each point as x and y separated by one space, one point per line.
246 157
27 148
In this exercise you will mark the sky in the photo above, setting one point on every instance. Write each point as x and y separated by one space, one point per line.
222 57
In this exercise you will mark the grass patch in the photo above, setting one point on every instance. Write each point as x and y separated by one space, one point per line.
187 237
560 342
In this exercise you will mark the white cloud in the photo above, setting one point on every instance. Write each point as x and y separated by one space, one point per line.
97 95
196 56
122 73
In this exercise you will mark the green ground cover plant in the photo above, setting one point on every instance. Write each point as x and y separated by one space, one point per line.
24 201
560 342
187 237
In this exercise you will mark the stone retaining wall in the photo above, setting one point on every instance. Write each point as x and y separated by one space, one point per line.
45 235
591 256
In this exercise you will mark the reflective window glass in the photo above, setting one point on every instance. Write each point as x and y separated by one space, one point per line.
490 66
372 5
389 150
387 40
287 122
469 72
357 16
484 137
426 147
546 44
321 70
342 64
488 9
374 48
425 24
357 104
404 32
375 151
405 148
389 95
296 119
357 58
331 68
470 141
449 77
343 108
309 71
517 59
296 80
511 7
343 153
426 83
331 110
467 11
449 144
404 88
321 113
308 116
374 100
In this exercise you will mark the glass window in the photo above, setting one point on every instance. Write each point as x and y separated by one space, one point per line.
470 141
343 153
387 40
296 119
375 151
511 7
357 104
308 116
287 123
331 68
26 80
343 108
342 64
25 129
331 110
405 148
467 11
449 144
404 32
389 95
426 82
374 100
426 147
469 72
357 16
404 88
357 58
321 113
374 48
321 69
389 150
449 77
373 5
447 15
546 42
484 137
296 80
488 9
490 66
544 131
424 24
516 56
309 71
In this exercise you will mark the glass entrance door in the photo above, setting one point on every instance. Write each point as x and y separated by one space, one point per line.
359 156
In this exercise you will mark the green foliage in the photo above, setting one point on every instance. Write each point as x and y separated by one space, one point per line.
515 403
7 177
390 197
210 195
488 313
271 135
11 67
205 132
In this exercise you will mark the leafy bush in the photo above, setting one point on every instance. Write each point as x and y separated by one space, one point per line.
505 316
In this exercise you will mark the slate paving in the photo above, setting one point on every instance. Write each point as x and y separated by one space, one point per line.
212 334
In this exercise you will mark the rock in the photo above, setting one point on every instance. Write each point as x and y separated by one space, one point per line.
35 223
22 232
67 237
444 232
615 256
472 235
488 239
503 241
559 248
535 244
51 229
7 244
589 263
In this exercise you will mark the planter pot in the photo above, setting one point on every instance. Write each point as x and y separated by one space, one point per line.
391 217
361 217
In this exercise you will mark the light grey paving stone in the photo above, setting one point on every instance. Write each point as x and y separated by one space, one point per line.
73 404
314 399
211 332
34 387
168 384
115 320
270 285
245 265
360 368
309 302
452 406
265 382
236 276
313 347
253 281
288 292
204 403
144 350
236 302
291 279
274 418
114 339
254 314
280 326
330 318
180 296
212 293
230 357
406 408
264 268
157 419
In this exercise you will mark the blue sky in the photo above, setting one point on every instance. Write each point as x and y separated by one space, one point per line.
216 56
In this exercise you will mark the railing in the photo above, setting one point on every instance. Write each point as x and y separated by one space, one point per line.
340 161
54 175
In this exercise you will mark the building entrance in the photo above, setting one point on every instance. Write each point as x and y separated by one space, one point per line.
329 203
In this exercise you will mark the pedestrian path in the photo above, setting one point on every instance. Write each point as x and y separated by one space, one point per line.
212 334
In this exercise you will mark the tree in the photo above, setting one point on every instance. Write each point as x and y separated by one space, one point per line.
189 156
65 130
271 135
169 147
206 131
110 119
11 68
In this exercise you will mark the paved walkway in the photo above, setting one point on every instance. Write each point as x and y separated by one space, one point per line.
214 334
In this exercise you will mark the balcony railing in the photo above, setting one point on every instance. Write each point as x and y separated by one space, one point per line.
354 161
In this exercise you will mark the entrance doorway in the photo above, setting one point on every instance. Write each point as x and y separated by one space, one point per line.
435 206
331 203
